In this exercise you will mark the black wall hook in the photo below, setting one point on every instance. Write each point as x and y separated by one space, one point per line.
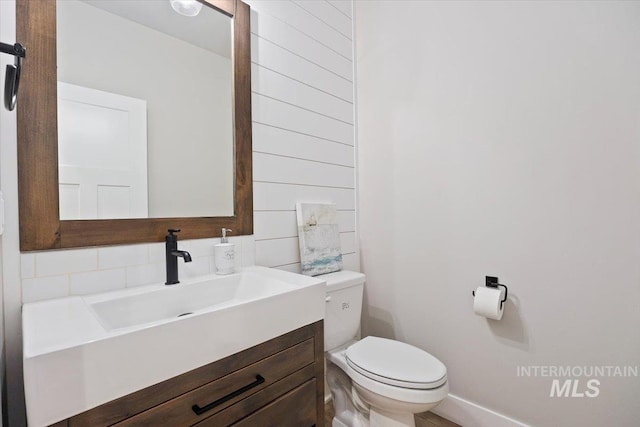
492 282
12 79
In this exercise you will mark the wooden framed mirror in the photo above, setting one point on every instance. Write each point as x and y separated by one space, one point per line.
41 226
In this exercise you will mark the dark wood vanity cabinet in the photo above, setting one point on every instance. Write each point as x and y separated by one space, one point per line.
276 383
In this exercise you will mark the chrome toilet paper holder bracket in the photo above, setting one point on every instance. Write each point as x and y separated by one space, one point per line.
492 282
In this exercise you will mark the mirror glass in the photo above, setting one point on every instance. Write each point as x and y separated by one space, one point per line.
145 111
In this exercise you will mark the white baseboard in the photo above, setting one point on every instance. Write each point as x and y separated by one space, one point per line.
469 414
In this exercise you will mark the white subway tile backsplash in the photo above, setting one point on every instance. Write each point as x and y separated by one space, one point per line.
47 275
66 261
238 257
249 258
197 267
45 288
28 266
146 274
156 253
198 247
122 256
212 264
97 281
248 251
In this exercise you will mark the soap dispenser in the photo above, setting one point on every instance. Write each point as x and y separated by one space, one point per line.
225 254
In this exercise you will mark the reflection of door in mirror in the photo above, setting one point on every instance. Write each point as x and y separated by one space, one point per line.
102 154
143 51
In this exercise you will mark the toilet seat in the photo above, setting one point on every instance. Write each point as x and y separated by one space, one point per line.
396 363
405 394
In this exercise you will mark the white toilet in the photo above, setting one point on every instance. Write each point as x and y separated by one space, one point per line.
374 381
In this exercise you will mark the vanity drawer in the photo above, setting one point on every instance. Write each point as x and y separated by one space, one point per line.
297 408
217 395
253 405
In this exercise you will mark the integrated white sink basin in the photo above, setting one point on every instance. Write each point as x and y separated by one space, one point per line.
173 301
81 352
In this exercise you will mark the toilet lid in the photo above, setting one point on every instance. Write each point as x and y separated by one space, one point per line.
396 363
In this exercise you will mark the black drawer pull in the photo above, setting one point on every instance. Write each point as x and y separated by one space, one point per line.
199 411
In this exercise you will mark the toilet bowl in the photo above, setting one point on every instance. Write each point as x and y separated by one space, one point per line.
374 381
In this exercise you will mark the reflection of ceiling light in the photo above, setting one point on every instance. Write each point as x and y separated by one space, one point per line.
186 7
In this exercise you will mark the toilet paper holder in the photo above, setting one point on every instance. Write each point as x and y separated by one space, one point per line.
492 282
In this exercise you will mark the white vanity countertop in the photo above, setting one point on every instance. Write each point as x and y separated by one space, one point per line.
73 363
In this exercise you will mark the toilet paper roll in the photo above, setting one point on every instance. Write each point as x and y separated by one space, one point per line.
486 302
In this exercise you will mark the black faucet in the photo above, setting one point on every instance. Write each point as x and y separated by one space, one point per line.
171 246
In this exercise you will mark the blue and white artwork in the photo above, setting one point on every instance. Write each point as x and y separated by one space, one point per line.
319 238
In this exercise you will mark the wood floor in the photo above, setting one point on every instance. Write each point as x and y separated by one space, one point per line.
428 419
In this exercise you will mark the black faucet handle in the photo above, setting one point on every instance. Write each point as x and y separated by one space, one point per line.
173 230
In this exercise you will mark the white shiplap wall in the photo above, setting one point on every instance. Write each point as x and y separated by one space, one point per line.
303 122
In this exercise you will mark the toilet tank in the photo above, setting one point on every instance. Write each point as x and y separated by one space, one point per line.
343 307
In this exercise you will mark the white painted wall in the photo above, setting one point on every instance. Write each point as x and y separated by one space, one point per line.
503 138
303 151
188 94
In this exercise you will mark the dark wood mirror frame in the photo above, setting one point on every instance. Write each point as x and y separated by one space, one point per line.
40 224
